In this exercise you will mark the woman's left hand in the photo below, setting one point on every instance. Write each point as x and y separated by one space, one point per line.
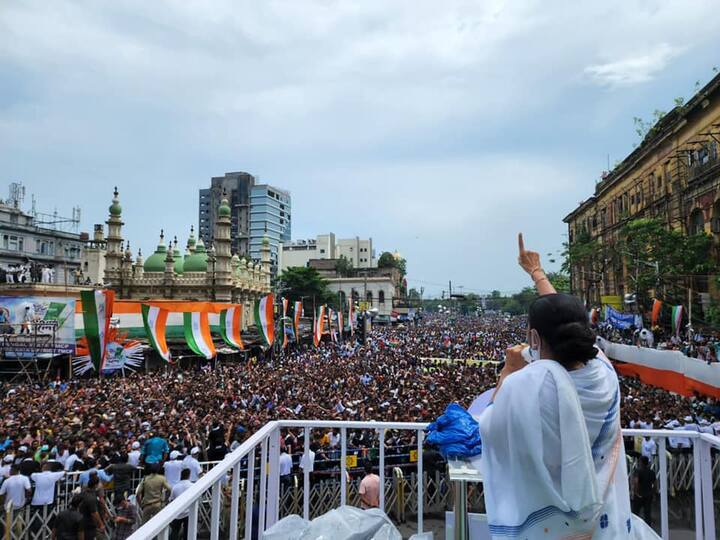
514 360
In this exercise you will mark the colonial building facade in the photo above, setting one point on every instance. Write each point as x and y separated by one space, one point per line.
673 176
200 274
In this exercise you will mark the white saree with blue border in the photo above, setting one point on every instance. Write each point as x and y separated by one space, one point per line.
553 457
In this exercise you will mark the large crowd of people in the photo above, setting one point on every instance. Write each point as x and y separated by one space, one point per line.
172 419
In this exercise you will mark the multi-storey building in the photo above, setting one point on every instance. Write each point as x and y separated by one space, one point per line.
270 216
236 187
358 251
672 176
29 244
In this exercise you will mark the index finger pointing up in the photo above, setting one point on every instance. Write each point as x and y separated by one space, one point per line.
521 243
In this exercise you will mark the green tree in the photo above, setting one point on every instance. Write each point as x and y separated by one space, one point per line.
661 260
388 260
560 280
586 257
344 267
300 282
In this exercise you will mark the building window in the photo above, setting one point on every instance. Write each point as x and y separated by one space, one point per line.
697 222
369 297
45 247
381 297
12 242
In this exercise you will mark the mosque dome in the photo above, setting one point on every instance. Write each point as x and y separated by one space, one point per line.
265 240
115 208
197 261
156 261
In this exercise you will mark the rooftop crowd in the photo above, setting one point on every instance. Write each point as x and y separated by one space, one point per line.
401 374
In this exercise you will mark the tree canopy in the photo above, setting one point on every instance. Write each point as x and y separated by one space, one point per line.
306 283
388 260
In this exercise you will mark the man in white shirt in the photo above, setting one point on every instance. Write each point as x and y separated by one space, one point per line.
173 468
5 469
75 457
16 489
193 464
134 454
310 463
45 486
649 448
286 466
181 522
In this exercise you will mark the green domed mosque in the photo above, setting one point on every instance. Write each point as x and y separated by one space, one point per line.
201 274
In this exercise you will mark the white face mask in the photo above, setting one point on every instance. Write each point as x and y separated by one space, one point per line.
534 349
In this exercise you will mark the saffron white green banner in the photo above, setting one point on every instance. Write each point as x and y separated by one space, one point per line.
265 320
197 334
231 325
97 309
155 322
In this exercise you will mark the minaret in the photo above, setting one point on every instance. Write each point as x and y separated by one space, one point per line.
265 260
169 274
113 257
191 241
223 255
139 270
127 263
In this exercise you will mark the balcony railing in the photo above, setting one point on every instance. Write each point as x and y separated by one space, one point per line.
205 498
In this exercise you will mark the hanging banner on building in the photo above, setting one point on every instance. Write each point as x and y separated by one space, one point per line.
265 318
37 326
619 320
197 334
230 327
155 322
341 323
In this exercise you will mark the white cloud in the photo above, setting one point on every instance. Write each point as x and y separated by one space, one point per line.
635 69
384 118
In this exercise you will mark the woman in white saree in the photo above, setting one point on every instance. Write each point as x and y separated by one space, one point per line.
553 458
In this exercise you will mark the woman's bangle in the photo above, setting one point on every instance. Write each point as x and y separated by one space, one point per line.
532 274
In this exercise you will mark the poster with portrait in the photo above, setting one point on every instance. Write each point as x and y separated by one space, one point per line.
37 325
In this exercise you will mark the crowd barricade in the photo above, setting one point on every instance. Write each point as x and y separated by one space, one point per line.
666 369
401 493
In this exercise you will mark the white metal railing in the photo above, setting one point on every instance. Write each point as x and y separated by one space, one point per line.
209 488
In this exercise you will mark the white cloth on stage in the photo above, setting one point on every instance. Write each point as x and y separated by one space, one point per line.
553 459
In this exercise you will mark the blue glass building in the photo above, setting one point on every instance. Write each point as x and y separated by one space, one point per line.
270 211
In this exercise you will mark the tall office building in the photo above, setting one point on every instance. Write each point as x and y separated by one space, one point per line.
270 213
237 187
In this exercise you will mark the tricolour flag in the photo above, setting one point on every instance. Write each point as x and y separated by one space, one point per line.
231 325
297 315
97 310
264 318
285 303
197 334
676 319
319 326
155 322
655 317
351 316
331 320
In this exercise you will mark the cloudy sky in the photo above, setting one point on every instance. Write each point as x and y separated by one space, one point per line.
438 128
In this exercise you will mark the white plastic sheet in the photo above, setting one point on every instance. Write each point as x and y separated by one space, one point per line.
289 528
349 523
